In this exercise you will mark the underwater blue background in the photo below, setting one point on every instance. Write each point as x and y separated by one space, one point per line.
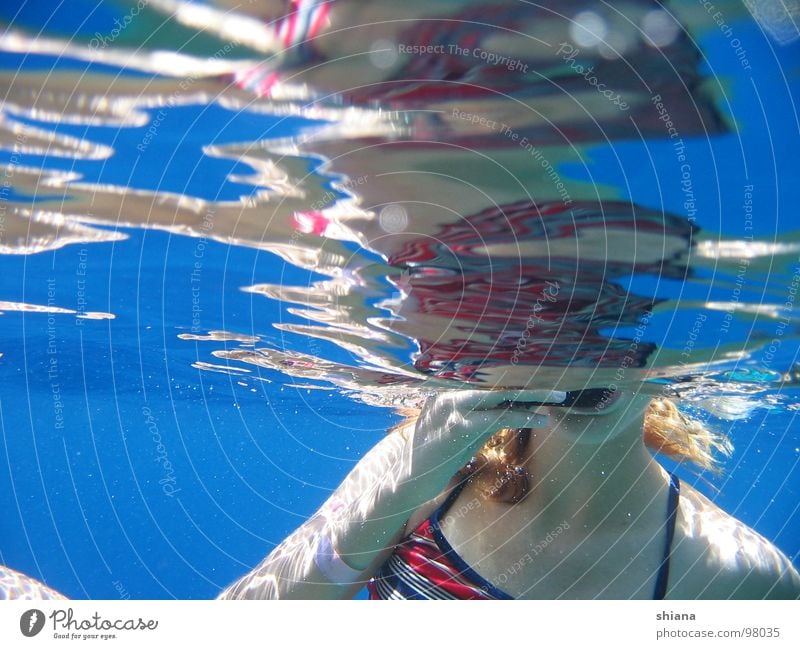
83 506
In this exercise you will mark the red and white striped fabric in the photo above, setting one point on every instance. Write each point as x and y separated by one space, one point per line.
425 566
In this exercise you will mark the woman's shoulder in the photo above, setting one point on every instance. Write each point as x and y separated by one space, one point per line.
716 556
426 510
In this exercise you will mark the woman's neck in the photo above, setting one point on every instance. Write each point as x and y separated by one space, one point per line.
595 471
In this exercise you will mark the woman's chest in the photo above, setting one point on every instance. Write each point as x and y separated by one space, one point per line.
530 560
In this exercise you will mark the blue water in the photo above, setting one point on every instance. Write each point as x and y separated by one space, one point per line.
91 510
250 463
87 513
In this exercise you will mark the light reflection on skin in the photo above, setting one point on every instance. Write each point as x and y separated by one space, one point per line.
596 473
592 471
374 479
15 585
714 555
736 557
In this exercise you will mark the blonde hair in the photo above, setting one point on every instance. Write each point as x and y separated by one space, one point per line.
498 467
667 430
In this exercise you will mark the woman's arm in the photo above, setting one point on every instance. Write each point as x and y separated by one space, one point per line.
366 515
717 556
15 585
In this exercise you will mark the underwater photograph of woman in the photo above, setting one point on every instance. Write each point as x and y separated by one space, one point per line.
364 300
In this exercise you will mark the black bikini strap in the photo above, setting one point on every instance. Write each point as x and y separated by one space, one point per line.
451 498
672 515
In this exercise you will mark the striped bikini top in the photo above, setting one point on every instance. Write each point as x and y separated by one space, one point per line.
425 566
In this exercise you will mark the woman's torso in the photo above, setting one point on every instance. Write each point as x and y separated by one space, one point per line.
473 548
712 555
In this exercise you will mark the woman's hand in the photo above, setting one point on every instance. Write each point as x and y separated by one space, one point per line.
465 419
367 514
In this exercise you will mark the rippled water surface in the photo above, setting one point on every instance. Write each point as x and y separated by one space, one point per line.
234 238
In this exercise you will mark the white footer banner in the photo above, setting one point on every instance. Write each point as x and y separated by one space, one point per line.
237 625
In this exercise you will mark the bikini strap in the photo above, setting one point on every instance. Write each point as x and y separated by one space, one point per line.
662 580
441 510
672 514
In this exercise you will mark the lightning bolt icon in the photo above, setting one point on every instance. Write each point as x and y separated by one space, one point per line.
32 620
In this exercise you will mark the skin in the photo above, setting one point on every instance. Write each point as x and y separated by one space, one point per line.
596 473
400 477
589 470
15 585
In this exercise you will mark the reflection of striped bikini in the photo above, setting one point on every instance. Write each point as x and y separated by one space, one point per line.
306 21
303 23
425 566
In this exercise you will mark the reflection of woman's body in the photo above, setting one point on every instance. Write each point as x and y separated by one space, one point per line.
591 471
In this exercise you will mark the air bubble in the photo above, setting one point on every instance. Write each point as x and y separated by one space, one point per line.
383 53
588 29
393 218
